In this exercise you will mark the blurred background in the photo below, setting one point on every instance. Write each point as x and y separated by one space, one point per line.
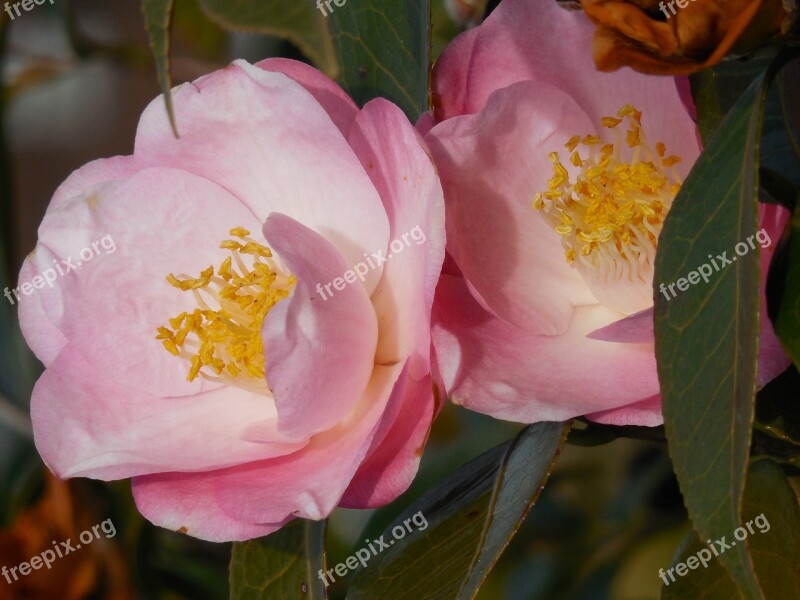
75 76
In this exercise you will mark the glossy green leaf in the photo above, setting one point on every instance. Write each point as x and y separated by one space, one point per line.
772 540
298 21
384 50
787 325
281 566
157 18
717 89
707 336
471 517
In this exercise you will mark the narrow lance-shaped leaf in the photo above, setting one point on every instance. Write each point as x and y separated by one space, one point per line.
384 49
707 336
298 21
281 566
769 528
471 516
157 18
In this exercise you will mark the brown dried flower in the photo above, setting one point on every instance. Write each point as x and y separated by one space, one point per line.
681 36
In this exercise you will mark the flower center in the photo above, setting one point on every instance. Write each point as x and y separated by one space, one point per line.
221 339
610 217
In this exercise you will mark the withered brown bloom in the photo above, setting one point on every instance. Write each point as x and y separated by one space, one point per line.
680 36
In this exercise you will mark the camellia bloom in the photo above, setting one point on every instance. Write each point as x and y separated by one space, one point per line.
557 181
257 346
680 36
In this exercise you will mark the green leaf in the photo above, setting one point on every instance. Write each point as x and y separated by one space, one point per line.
773 542
298 21
707 336
384 50
787 324
716 90
157 18
471 516
283 565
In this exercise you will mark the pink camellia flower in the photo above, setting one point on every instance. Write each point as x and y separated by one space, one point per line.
257 347
557 181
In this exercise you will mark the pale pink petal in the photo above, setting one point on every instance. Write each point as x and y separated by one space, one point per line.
491 166
87 425
185 503
524 40
267 140
393 459
89 175
308 484
401 170
646 413
110 308
339 106
451 85
43 337
319 348
495 368
637 328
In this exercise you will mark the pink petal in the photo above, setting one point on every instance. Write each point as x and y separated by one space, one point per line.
646 413
89 175
497 369
637 328
267 140
401 170
309 483
339 106
451 77
186 503
524 40
320 349
87 425
41 334
491 165
393 459
109 308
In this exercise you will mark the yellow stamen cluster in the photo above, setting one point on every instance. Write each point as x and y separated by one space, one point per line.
227 339
615 207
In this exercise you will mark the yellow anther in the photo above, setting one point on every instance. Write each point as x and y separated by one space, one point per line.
239 232
228 340
633 137
612 204
573 143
